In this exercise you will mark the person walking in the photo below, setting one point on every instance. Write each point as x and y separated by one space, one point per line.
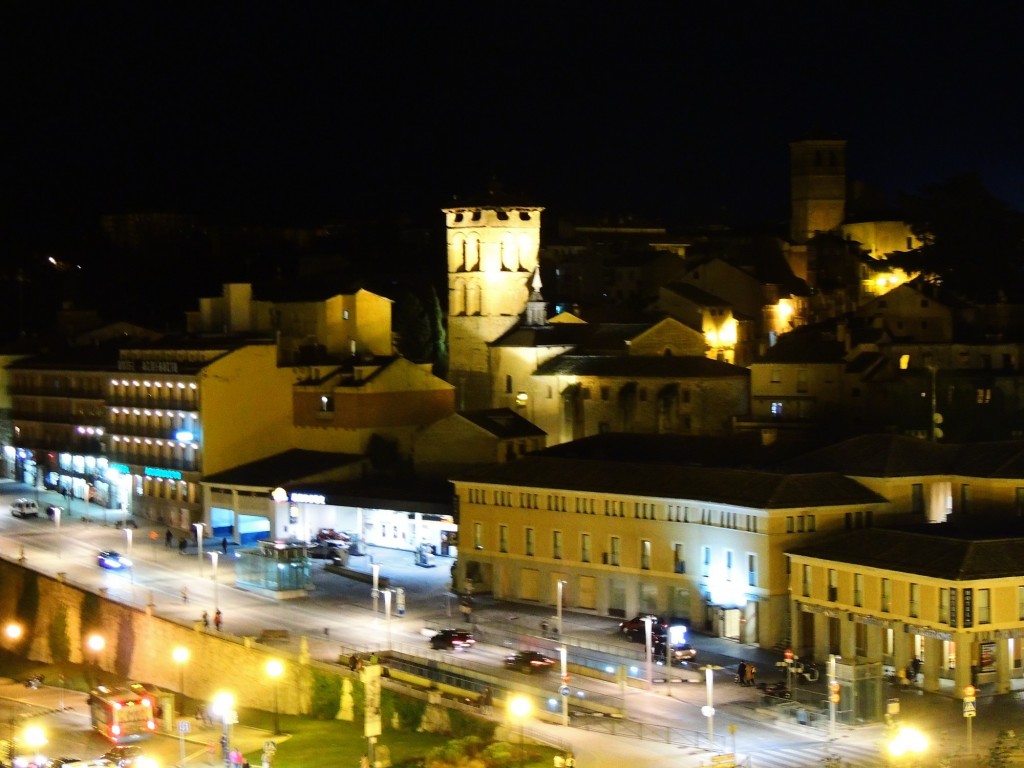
741 673
224 545
218 618
184 595
168 538
206 620
751 673
570 761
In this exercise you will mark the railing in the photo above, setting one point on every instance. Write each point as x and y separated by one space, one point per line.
152 403
60 392
664 734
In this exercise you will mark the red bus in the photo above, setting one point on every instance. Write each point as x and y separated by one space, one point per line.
122 714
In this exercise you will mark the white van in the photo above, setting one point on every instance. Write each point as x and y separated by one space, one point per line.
25 508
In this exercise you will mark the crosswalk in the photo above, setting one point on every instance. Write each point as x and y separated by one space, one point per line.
815 756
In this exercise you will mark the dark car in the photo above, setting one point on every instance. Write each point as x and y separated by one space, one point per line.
452 640
679 653
635 629
124 756
112 561
58 762
529 662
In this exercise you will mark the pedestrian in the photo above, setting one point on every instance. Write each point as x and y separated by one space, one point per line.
182 544
217 619
741 673
184 594
751 672
915 668
558 761
224 545
570 761
487 699
206 620
168 538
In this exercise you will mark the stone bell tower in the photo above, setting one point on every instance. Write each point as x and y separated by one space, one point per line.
817 187
492 255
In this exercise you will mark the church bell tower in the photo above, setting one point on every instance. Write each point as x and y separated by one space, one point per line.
492 256
817 187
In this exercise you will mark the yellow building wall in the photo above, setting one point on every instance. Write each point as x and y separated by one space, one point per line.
245 408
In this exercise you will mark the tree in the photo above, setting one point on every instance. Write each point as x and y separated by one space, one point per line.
972 242
60 641
413 328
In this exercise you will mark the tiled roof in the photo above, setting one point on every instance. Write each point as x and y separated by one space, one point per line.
696 295
283 468
503 423
740 487
589 337
942 551
640 366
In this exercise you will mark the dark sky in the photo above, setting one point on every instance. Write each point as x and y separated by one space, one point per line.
307 111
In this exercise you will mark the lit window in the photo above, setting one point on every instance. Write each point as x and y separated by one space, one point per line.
326 404
984 606
886 595
585 547
915 600
529 542
645 555
776 409
616 551
556 545
503 538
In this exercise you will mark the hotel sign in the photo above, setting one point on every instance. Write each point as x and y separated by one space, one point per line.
953 603
968 607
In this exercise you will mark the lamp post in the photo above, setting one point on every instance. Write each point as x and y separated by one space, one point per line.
375 567
35 739
561 585
519 707
708 710
563 655
387 612
180 656
274 670
833 695
96 644
908 742
199 540
13 632
56 521
647 642
215 556
128 550
224 706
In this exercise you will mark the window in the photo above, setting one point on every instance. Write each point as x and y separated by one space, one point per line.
917 498
645 555
965 498
833 584
1020 603
944 605
858 589
344 314
605 392
326 403
1018 501
478 535
915 600
728 565
585 547
616 551
806 581
503 538
751 570
556 545
508 385
679 560
886 595
984 606
801 380
789 524
776 409
705 561
776 375
529 542
812 524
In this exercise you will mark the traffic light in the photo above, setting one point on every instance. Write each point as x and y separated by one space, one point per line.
969 692
833 691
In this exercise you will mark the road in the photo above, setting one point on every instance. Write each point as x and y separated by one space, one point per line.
339 615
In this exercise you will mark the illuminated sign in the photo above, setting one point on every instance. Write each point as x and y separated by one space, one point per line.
122 468
308 498
166 474
279 494
183 436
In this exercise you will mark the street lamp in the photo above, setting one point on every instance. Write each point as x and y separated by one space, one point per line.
387 612
275 669
56 521
128 548
35 739
215 556
376 585
180 656
96 644
13 631
519 707
199 540
708 710
908 742
224 707
648 620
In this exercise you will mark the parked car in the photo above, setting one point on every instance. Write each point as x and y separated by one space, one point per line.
636 628
674 654
125 755
24 508
59 762
112 561
452 640
529 662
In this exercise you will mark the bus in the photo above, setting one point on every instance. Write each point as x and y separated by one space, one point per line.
122 714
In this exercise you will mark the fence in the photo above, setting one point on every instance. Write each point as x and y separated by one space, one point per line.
664 734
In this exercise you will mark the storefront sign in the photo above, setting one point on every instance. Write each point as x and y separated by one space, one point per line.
832 613
122 468
953 602
968 607
148 366
166 474
913 629
308 498
872 620
987 657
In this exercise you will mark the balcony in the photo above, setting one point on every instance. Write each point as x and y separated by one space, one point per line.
71 419
183 403
129 431
182 465
63 393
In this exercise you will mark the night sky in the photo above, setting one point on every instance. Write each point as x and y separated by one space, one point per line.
309 112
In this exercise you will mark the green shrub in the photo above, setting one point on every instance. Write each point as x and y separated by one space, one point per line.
498 754
470 725
325 698
125 645
60 641
410 711
27 609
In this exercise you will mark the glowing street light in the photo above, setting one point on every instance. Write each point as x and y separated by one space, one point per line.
561 587
519 707
199 540
274 670
375 593
181 656
13 631
215 556
224 708
35 739
908 742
